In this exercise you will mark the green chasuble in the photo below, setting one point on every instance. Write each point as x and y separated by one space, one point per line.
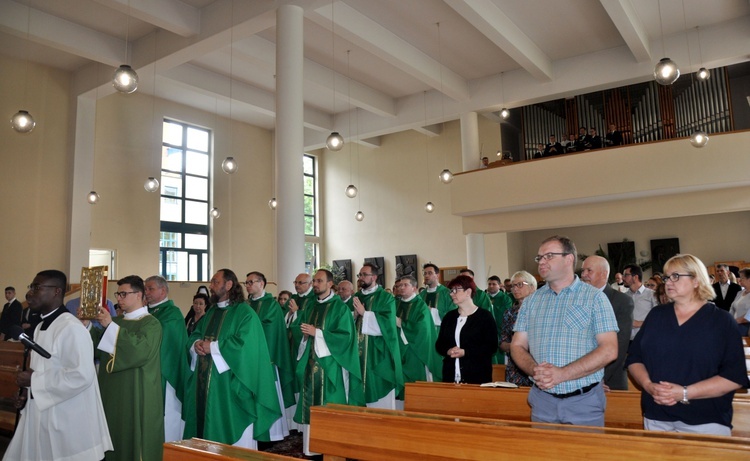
439 299
293 331
418 352
380 356
321 379
130 384
220 406
174 364
500 303
350 303
272 320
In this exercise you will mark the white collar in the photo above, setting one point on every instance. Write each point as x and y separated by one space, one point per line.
406 300
160 302
138 313
347 299
262 293
431 289
305 293
222 304
370 290
330 295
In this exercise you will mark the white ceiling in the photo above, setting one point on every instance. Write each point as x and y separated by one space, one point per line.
391 60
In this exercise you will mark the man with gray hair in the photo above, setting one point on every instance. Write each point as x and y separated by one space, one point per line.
564 336
596 272
725 290
174 362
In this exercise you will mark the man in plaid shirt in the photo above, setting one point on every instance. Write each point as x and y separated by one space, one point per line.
565 334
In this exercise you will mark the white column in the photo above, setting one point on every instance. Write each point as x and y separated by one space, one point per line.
470 156
290 225
83 176
470 141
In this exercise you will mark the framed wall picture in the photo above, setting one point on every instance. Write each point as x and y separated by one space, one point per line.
344 268
661 251
620 255
379 261
407 265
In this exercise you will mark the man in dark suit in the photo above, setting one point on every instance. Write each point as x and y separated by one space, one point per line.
724 289
614 136
11 315
553 147
595 272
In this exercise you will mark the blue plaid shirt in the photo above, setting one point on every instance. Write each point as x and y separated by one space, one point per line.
562 328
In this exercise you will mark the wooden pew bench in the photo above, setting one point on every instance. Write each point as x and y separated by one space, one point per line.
202 450
340 431
11 360
623 407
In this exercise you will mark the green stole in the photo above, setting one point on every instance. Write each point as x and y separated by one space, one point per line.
204 366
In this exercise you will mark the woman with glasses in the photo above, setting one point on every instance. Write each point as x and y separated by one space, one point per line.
688 356
656 283
468 337
522 285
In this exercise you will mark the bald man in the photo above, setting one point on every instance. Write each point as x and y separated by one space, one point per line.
346 290
596 272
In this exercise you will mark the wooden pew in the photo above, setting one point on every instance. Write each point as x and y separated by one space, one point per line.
340 432
202 450
11 360
623 407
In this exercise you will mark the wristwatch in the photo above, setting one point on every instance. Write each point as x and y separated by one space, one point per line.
684 400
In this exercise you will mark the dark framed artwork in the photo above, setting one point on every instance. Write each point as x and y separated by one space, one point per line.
407 265
344 268
661 251
620 255
379 261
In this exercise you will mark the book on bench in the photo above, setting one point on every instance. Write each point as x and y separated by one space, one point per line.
505 384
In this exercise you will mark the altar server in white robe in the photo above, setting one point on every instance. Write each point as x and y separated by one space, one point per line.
62 417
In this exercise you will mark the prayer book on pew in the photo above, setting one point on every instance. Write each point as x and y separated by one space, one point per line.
504 384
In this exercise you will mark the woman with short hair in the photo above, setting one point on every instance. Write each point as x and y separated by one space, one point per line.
688 356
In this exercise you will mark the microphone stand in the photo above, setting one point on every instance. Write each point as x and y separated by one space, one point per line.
20 390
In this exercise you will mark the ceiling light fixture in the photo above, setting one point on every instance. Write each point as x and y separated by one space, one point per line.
229 165
445 176
152 184
125 79
351 190
504 112
666 71
335 141
703 73
22 121
429 206
215 213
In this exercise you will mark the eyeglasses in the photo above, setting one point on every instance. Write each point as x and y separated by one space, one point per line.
456 290
548 256
250 282
675 277
122 294
519 285
361 276
34 287
650 285
626 275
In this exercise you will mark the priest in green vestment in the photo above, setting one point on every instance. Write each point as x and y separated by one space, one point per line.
420 361
174 364
346 293
379 353
327 367
272 319
128 350
231 395
500 303
436 296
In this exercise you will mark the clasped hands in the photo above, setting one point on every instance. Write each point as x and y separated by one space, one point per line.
202 347
307 329
456 352
359 308
546 376
664 393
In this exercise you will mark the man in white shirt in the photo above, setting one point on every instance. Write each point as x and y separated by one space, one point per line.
643 298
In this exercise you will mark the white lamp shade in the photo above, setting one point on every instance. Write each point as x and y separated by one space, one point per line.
699 139
446 176
504 113
666 72
125 79
335 141
151 184
92 197
429 207
215 213
359 216
22 122
703 73
229 165
351 191
272 203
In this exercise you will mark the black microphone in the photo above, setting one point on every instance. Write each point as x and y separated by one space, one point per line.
16 332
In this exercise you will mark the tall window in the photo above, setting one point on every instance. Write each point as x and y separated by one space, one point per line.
185 179
312 237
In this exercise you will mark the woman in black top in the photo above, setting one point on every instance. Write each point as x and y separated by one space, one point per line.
467 338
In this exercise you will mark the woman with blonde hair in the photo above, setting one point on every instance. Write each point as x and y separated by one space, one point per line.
688 356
